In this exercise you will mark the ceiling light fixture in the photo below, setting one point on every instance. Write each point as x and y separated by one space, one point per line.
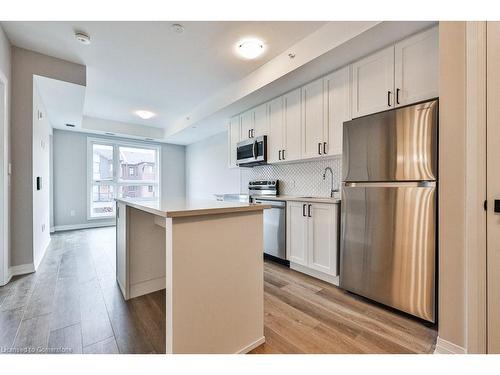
145 115
250 48
82 37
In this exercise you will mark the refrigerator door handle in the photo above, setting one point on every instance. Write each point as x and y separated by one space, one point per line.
391 184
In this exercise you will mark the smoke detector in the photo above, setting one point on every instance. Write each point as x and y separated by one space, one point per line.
82 37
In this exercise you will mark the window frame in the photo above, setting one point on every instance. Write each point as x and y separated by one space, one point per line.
116 182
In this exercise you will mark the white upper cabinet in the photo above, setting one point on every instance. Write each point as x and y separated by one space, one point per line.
373 83
313 122
417 68
292 126
233 139
246 124
337 108
276 133
260 120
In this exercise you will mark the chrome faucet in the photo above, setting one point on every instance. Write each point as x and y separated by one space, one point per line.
332 190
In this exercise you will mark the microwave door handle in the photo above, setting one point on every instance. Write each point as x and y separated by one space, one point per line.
253 149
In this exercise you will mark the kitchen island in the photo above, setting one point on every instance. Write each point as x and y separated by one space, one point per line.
208 257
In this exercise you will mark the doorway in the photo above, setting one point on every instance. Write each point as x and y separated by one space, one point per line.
4 249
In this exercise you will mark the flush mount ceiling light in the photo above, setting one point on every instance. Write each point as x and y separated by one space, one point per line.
145 115
250 48
82 37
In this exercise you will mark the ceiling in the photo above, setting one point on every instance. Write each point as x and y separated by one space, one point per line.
146 65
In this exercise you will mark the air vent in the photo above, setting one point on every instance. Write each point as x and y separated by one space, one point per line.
70 125
108 133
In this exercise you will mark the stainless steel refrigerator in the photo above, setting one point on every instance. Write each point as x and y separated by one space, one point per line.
389 208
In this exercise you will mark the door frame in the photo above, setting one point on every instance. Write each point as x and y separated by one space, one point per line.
4 178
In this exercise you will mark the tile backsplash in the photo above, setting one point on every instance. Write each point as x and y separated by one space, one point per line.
301 178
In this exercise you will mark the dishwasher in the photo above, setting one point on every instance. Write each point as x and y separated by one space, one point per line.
274 220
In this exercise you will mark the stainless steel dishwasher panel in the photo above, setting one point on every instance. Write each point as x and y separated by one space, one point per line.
274 228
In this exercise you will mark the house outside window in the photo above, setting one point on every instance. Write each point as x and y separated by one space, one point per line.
137 175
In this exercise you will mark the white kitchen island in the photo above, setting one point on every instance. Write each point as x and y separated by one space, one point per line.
208 257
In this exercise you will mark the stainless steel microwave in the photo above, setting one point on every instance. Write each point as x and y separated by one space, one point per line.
251 152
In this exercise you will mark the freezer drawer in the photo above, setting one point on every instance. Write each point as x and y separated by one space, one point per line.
388 245
397 145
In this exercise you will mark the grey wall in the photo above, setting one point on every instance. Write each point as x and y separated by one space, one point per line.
24 65
207 171
5 69
70 176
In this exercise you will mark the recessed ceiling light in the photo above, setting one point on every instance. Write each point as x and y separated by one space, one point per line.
145 115
82 37
250 48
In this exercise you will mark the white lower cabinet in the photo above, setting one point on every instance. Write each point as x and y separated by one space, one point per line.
312 239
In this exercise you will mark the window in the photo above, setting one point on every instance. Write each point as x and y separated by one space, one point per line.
137 177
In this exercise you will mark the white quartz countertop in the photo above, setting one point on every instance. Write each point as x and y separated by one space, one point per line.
295 198
182 208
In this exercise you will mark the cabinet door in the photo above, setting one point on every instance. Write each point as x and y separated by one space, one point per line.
417 68
296 233
292 125
338 108
246 123
312 119
233 139
260 120
323 238
276 130
373 83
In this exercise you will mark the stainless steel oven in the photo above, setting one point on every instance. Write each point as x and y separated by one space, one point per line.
252 152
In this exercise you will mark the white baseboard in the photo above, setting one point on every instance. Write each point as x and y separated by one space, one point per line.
22 269
252 346
59 228
447 347
317 274
146 287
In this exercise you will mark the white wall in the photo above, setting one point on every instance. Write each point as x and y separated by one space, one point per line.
70 177
42 131
5 73
207 171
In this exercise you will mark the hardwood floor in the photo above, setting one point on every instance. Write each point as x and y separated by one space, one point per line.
306 315
72 304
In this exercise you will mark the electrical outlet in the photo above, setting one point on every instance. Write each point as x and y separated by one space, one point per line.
72 212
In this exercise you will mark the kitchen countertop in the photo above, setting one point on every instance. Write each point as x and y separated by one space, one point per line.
295 198
183 208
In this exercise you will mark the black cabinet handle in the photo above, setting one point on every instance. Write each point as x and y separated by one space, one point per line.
309 210
388 98
496 207
279 154
304 210
324 148
397 96
283 153
253 133
319 148
249 133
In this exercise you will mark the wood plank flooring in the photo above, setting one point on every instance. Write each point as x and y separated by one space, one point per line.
306 315
72 304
